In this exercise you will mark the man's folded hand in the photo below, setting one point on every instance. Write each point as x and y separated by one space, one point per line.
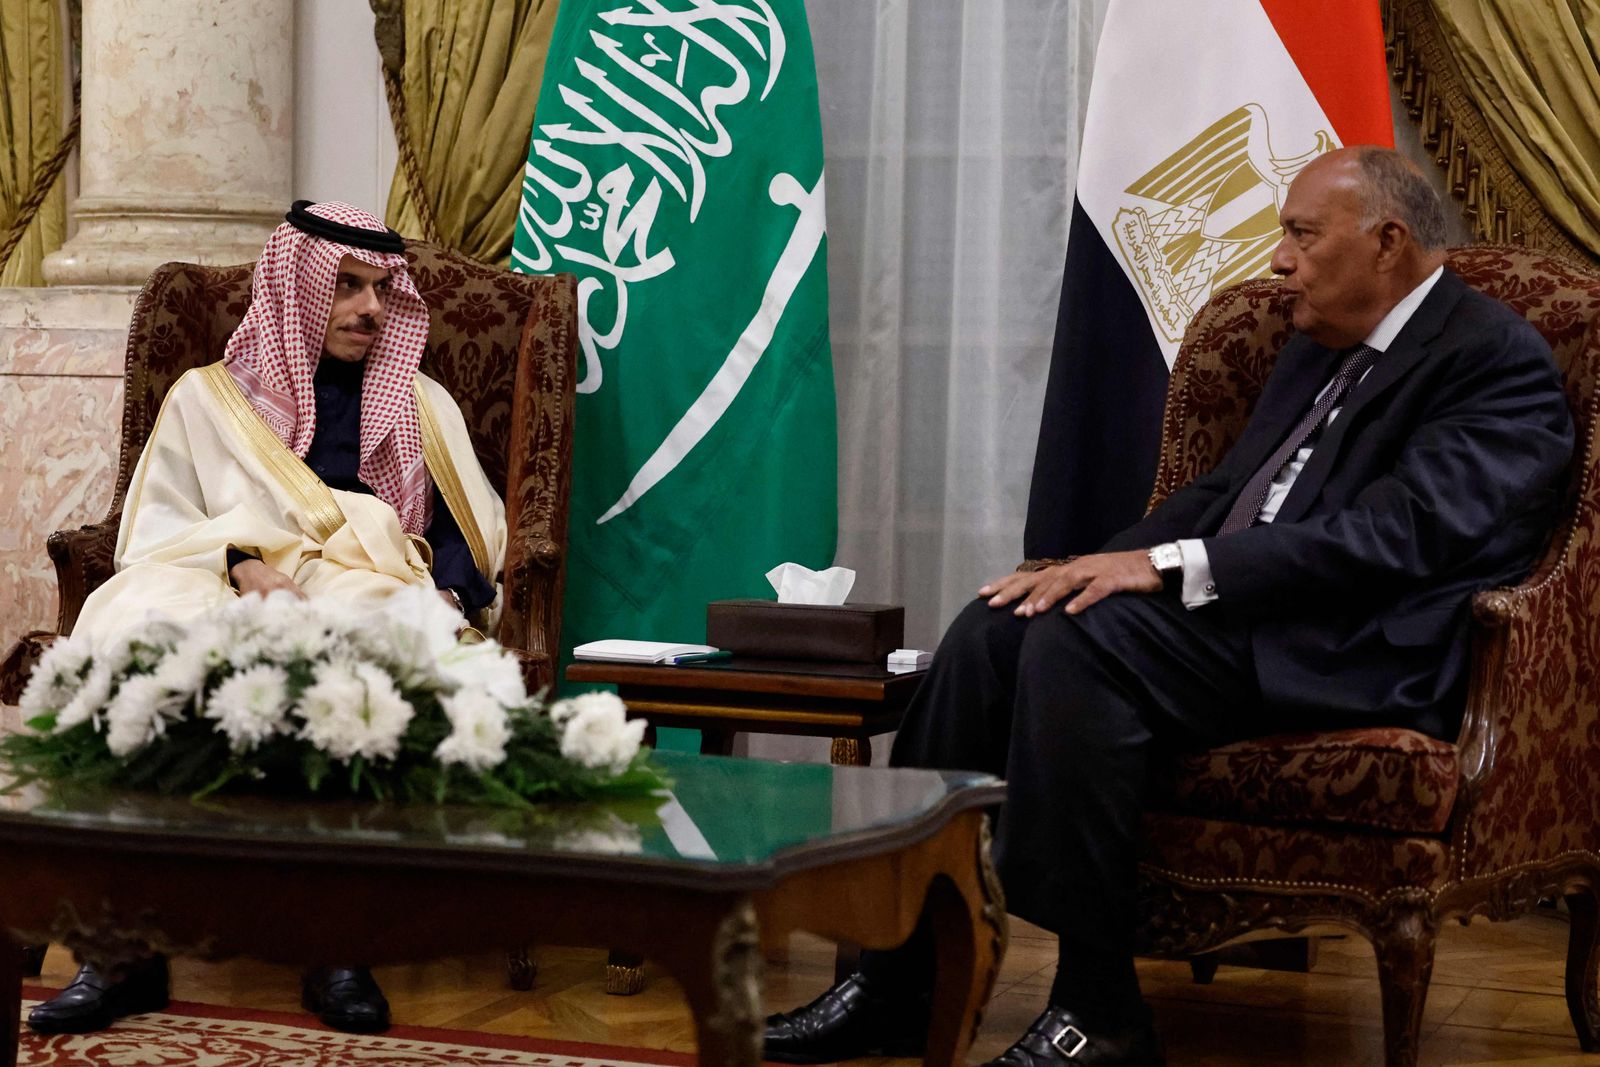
253 576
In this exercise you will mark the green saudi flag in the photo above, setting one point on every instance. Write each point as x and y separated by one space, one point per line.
676 169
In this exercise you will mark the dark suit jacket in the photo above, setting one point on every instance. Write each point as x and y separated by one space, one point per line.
1442 476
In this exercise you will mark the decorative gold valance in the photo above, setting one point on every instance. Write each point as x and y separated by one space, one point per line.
1506 94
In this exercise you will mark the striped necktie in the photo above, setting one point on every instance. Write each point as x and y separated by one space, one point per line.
1247 508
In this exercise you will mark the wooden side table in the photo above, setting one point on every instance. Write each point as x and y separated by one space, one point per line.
849 702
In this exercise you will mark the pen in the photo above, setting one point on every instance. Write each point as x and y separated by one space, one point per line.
702 657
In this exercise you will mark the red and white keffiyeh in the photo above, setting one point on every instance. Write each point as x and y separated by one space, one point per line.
274 354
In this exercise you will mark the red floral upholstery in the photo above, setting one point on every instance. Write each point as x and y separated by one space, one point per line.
1386 779
504 345
1386 831
1217 853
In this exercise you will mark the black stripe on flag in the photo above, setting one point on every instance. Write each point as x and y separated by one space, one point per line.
1101 431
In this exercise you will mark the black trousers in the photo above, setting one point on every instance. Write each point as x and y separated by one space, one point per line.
1069 710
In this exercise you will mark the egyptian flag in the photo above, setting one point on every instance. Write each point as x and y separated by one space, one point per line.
1200 114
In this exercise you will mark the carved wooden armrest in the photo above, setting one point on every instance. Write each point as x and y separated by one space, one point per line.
537 670
84 559
542 551
17 667
1041 564
1528 662
1545 592
1495 608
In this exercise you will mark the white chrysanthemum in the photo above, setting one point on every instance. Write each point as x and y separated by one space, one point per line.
251 706
118 655
281 623
137 714
245 651
562 710
479 730
184 669
597 733
409 633
88 701
57 676
353 709
488 666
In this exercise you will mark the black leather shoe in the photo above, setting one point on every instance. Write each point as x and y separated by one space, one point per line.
346 998
92 1002
1058 1037
852 1019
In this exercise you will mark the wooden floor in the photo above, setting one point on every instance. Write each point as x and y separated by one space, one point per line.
1496 998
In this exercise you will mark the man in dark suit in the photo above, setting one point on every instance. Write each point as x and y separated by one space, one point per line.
1407 451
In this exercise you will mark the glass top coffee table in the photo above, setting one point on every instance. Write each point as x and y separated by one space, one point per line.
738 855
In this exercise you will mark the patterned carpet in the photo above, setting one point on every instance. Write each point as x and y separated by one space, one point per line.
204 1035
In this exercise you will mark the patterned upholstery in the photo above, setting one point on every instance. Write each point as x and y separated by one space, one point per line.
504 345
1386 831
1385 779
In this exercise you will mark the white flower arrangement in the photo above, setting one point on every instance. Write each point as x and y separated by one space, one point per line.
279 689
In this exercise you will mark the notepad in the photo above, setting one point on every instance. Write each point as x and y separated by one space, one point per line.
617 650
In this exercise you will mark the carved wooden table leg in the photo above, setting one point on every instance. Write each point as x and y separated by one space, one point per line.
624 973
1583 956
968 914
716 957
521 970
10 999
850 752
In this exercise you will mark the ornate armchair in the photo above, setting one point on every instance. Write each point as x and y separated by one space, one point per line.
503 344
1385 831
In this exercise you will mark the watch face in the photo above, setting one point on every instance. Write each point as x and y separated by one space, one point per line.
1166 557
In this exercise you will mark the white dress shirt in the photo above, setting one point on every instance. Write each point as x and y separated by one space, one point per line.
1198 587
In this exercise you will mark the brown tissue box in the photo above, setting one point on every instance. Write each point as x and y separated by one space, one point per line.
860 633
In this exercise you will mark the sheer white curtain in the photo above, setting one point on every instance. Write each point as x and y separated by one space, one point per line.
951 129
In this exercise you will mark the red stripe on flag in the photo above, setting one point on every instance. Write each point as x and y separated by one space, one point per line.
1338 46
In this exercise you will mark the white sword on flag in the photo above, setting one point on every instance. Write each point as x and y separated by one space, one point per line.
718 395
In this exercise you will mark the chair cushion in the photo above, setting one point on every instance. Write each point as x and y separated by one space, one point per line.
1382 778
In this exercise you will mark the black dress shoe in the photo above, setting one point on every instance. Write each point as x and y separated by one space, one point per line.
1059 1037
92 1002
346 998
854 1018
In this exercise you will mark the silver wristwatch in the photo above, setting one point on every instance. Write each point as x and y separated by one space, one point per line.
1167 559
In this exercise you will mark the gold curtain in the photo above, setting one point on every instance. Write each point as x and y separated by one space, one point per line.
34 113
468 74
1533 73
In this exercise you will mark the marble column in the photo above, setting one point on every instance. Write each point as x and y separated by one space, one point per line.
187 147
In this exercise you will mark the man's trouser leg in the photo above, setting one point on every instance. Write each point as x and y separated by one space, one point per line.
1095 694
960 719
1076 704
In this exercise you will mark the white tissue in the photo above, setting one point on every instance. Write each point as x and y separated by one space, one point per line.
802 585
